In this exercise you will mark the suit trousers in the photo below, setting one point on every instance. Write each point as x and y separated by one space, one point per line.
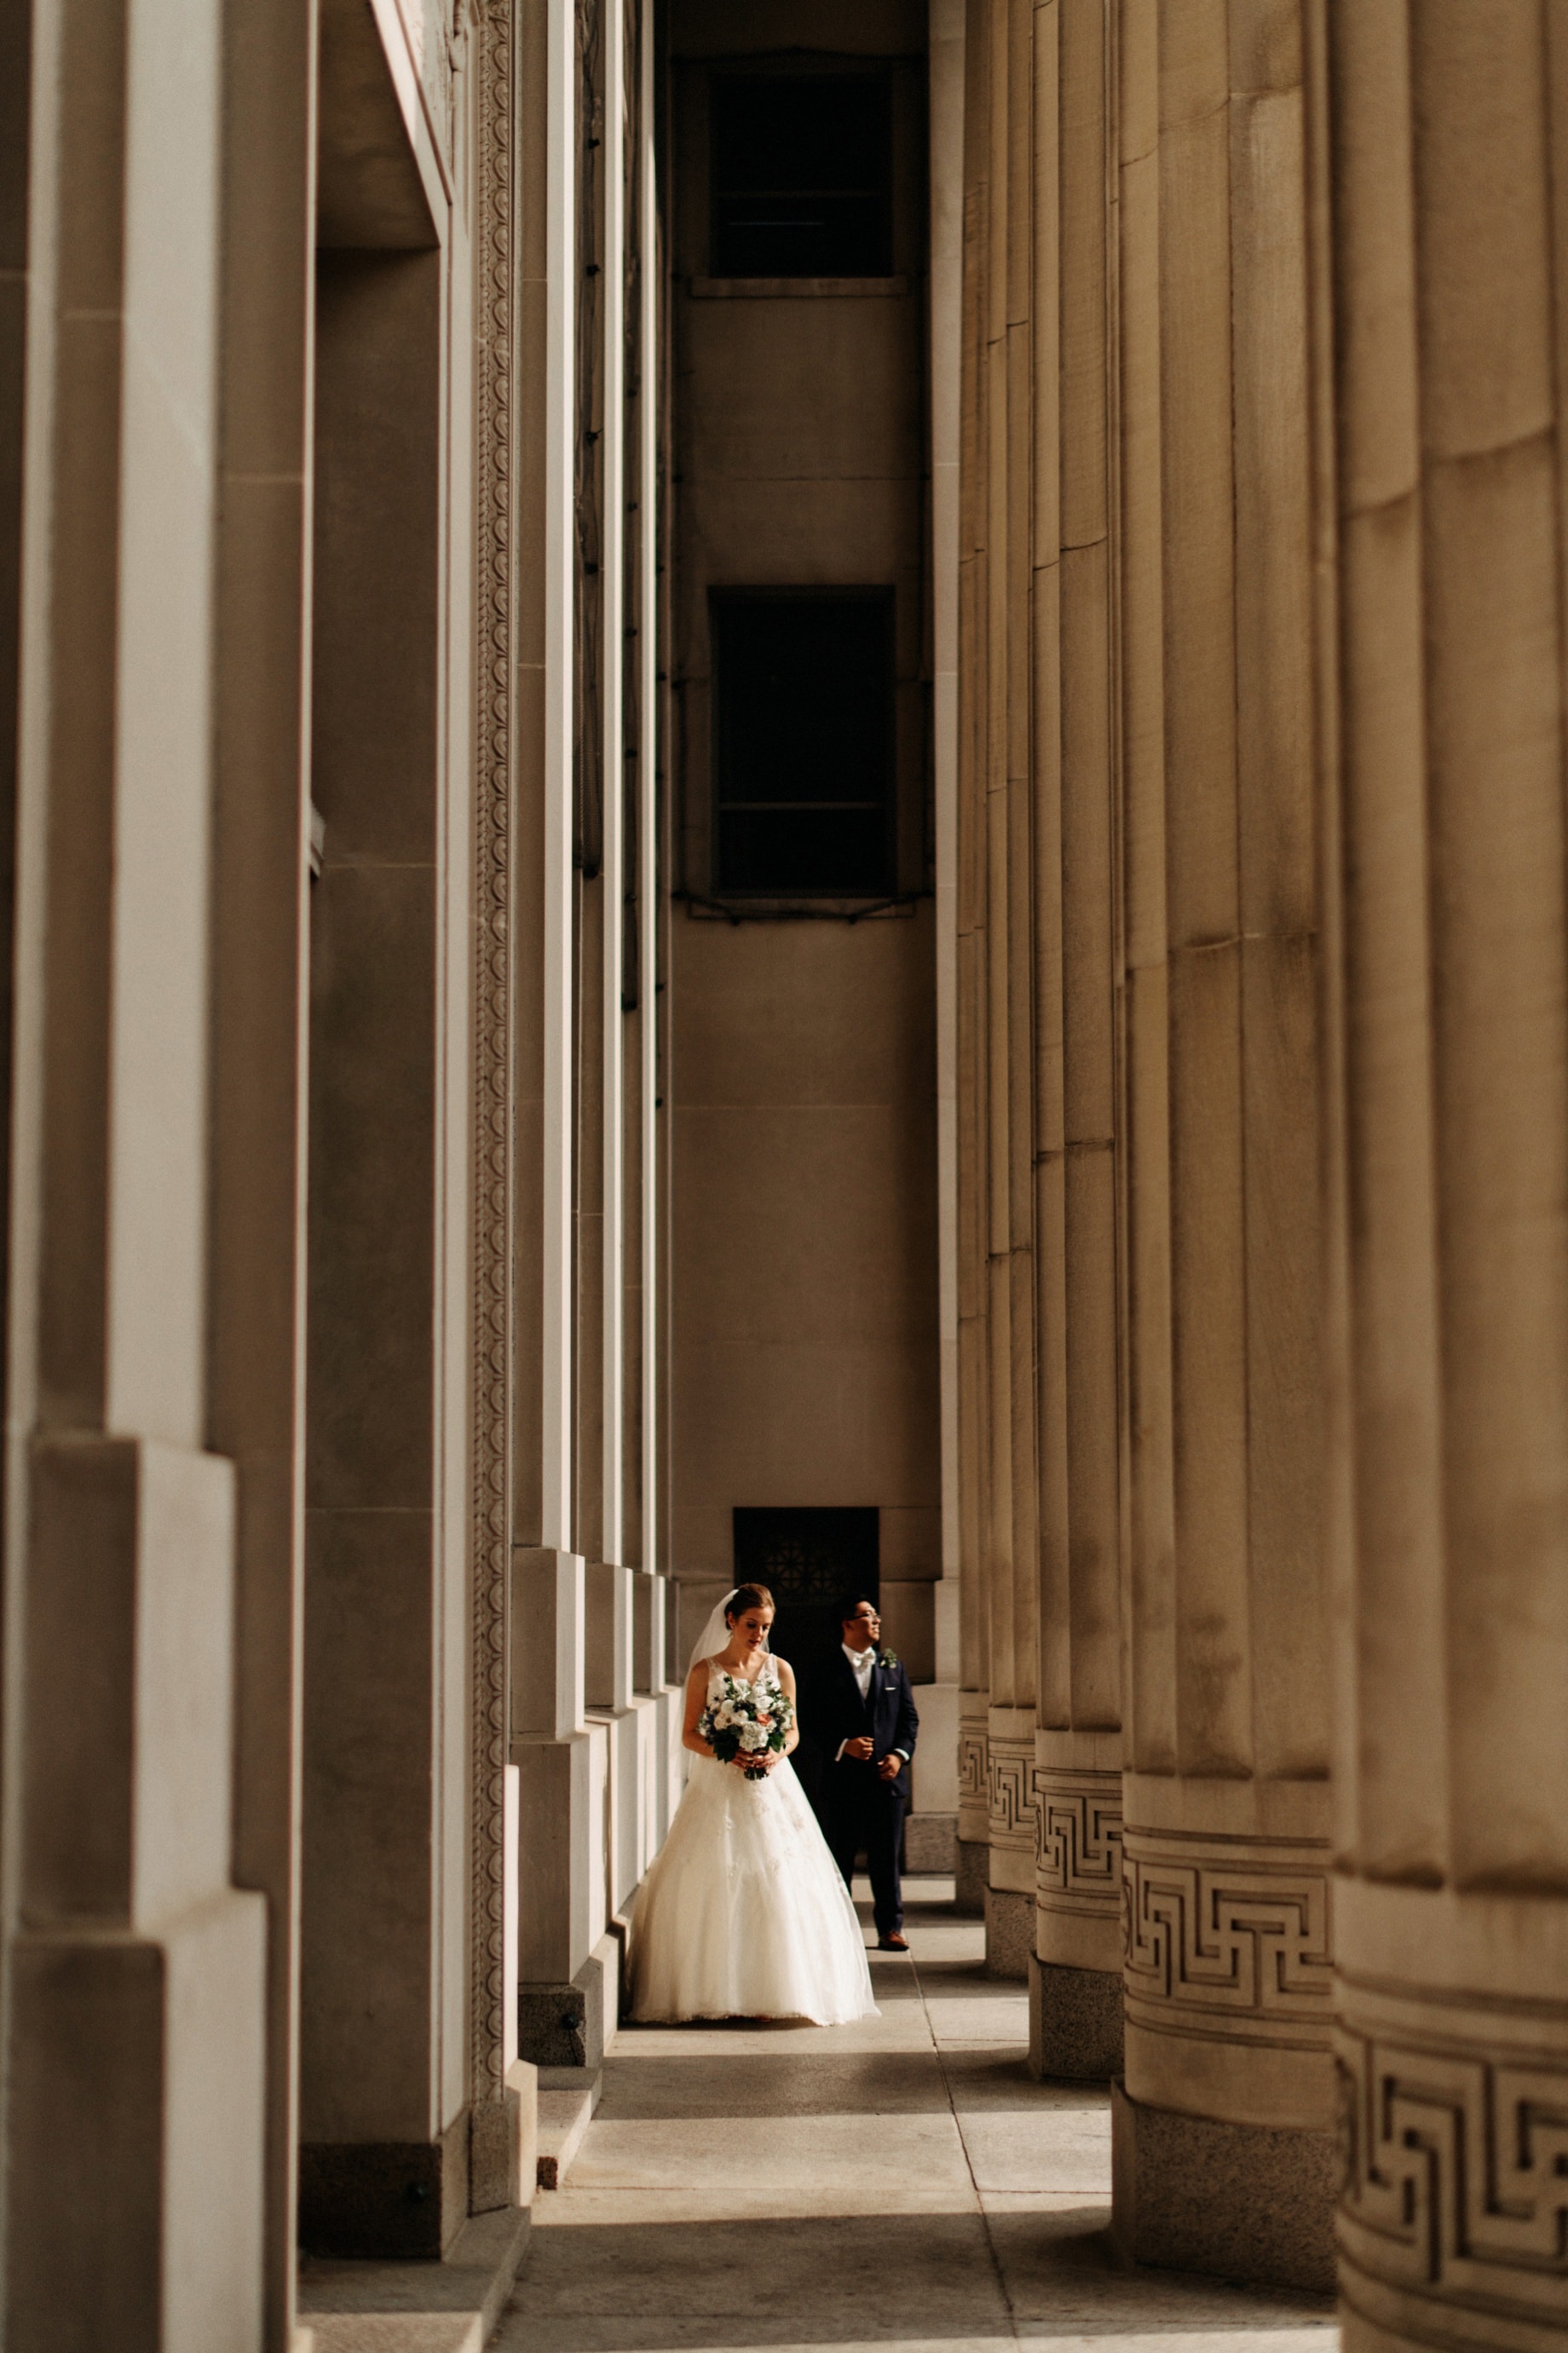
868 1813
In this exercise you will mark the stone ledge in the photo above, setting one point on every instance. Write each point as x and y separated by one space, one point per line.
567 2099
452 2306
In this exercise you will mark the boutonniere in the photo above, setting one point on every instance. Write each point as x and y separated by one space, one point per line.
888 1658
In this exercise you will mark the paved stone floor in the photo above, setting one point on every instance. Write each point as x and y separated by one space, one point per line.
902 2184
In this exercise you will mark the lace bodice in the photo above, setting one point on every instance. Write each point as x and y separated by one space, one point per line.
765 1678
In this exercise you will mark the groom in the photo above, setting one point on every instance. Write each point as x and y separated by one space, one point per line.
868 1728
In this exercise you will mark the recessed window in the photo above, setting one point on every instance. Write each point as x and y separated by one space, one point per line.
803 700
802 175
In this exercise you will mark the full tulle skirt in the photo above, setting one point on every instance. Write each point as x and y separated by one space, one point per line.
743 1911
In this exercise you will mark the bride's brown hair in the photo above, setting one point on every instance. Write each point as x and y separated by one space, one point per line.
747 1597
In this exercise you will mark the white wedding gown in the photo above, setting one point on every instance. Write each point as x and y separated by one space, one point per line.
743 1911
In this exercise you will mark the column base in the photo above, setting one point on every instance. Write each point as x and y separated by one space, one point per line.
398 2200
931 1843
344 2306
1009 1932
971 1871
1248 2202
1074 2023
569 2023
562 2025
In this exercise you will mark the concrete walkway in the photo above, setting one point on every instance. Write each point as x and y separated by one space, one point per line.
901 2184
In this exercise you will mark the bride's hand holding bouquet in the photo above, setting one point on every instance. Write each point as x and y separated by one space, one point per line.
746 1730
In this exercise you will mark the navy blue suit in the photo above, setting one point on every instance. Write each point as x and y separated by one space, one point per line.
859 1808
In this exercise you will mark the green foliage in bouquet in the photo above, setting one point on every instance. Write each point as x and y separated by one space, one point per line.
740 1722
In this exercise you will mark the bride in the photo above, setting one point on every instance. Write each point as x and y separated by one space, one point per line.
743 1913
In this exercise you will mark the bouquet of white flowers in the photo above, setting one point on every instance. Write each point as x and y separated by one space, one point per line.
739 1722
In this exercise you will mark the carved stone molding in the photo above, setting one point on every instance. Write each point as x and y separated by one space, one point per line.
1228 1937
1079 1830
1010 1791
973 1776
492 45
1453 2125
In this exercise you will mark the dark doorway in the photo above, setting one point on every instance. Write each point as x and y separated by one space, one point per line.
809 1559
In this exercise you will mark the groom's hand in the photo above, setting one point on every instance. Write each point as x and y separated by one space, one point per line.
892 1765
859 1749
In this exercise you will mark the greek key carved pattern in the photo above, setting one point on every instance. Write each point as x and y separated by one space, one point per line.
1010 1795
974 1775
1216 1934
491 40
1456 2170
1079 1825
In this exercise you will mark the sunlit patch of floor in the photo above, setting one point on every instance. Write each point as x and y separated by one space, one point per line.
898 2187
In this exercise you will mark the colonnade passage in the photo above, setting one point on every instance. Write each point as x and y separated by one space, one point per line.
783 794
903 2184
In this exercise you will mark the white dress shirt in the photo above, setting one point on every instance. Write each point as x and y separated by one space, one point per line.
860 1665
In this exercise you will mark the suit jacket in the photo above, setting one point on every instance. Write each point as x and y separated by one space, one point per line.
887 1712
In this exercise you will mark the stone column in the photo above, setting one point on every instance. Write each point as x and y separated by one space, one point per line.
256 1245
384 1996
549 1739
936 1775
971 1251
1075 1971
138 2084
1007 373
1451 1434
1222 2152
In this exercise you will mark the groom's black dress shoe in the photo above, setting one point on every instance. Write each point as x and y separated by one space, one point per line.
893 1944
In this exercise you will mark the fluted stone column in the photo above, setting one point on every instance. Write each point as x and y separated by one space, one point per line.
974 1398
1076 1970
1223 2151
1010 926
1451 1431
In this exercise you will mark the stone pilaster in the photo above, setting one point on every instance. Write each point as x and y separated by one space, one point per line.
1222 2129
146 2125
1450 1058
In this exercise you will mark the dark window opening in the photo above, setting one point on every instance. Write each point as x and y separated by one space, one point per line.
803 708
802 175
